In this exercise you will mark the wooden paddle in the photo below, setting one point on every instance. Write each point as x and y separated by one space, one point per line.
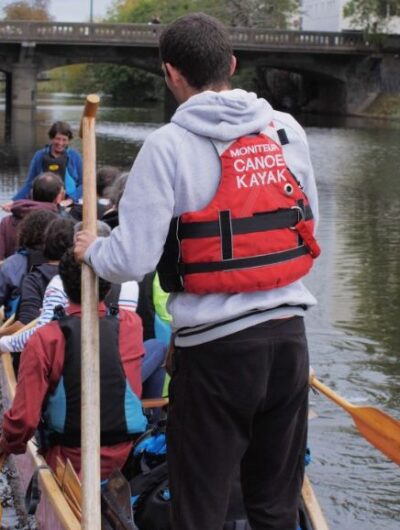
8 322
90 361
380 429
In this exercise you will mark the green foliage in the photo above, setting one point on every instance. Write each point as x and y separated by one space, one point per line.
127 85
274 14
254 13
371 16
27 10
142 11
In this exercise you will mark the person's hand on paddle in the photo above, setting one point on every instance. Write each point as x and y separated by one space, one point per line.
83 240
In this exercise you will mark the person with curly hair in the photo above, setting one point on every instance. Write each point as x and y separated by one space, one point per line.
30 238
58 237
49 383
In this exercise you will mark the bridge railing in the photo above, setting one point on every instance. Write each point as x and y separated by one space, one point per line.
65 31
148 34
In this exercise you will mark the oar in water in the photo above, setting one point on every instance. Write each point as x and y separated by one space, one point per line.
380 429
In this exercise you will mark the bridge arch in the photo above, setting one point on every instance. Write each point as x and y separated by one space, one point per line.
349 59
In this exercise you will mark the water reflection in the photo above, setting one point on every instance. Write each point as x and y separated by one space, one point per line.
353 332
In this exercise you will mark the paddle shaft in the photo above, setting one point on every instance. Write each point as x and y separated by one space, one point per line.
90 362
331 394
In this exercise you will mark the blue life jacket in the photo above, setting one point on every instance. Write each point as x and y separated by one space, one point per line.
121 411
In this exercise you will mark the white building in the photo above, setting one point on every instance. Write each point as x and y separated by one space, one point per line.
327 15
322 15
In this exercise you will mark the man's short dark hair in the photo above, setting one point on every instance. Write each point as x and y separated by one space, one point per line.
105 178
60 127
199 47
46 187
70 273
32 228
58 238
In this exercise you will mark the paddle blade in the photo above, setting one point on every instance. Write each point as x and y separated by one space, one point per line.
116 503
380 429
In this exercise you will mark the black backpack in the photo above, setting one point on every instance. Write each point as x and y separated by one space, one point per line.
150 491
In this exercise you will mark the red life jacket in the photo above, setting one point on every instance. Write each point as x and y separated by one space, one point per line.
255 234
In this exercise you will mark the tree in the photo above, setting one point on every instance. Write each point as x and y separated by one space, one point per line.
371 15
25 10
276 14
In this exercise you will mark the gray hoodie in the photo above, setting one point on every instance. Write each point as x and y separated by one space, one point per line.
178 170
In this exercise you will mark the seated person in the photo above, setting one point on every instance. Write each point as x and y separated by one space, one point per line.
47 194
126 297
110 216
105 178
58 238
49 383
59 158
30 242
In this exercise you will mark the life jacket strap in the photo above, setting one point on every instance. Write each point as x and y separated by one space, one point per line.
242 263
308 239
259 222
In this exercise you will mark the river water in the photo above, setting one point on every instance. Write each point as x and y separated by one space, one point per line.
354 334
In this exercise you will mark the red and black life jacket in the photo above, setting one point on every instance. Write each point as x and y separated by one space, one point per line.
121 413
255 234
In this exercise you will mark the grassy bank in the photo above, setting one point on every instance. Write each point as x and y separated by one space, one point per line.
385 106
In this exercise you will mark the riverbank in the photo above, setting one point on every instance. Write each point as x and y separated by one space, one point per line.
386 106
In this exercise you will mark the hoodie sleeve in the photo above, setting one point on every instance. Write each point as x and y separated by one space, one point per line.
145 212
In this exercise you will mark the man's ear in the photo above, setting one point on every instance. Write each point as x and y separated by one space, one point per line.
60 197
172 73
233 65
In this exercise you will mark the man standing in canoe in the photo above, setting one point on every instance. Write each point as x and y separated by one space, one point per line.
231 180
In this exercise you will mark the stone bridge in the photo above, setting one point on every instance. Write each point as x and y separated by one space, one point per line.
346 69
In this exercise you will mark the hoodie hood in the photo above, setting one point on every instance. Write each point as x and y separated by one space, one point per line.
23 207
224 115
47 271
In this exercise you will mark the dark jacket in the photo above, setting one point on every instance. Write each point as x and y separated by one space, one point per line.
32 291
111 218
9 224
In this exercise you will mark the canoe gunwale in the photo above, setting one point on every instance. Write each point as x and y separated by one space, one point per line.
53 512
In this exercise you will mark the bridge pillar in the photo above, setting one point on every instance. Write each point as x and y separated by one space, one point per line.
24 86
363 84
